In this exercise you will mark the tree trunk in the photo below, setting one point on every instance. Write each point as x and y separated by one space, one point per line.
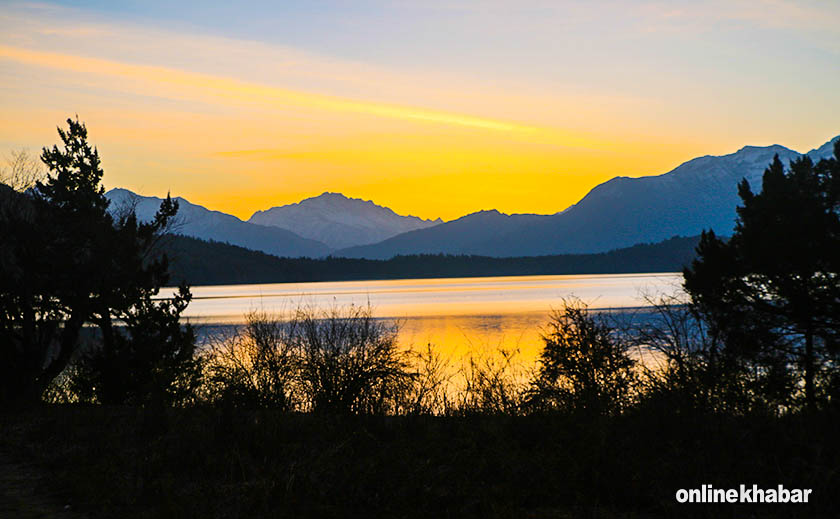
810 390
68 341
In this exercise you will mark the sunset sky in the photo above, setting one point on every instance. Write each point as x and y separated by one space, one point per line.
433 108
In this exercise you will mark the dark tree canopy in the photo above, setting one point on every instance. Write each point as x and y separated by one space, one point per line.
773 288
68 263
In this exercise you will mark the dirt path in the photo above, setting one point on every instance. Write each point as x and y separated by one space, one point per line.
23 495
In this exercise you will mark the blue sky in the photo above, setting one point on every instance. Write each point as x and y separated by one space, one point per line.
605 87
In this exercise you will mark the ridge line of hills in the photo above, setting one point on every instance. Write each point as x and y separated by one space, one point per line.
621 212
202 262
699 194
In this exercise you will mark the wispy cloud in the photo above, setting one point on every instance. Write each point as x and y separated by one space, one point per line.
522 106
223 88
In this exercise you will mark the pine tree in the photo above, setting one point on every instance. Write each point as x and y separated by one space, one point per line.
67 263
773 288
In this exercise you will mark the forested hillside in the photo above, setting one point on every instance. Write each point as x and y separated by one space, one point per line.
202 262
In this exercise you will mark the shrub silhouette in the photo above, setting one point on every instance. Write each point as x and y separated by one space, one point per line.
255 367
431 381
691 370
584 365
349 361
339 360
491 384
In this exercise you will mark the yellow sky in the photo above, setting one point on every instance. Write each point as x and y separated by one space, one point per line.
239 125
238 146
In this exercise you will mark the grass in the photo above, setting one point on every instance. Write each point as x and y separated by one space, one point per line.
203 462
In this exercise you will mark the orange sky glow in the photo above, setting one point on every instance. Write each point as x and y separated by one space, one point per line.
241 125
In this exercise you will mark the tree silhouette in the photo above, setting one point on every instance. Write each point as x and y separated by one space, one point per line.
150 360
773 288
67 263
584 366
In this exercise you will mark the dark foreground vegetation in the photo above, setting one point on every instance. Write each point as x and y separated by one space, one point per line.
110 406
218 463
201 262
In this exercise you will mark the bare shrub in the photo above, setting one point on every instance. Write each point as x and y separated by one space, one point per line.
429 392
339 360
492 383
254 367
349 361
697 371
22 171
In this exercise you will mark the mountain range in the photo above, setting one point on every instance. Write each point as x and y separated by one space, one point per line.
200 222
699 194
340 222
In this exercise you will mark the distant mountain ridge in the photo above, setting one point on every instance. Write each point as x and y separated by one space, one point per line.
699 194
200 222
476 233
339 221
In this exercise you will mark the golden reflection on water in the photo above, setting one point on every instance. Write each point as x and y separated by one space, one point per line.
456 315
458 335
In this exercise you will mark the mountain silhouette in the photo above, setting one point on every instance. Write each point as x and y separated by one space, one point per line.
200 222
339 221
699 194
475 233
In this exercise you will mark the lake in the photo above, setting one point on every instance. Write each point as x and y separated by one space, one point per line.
456 315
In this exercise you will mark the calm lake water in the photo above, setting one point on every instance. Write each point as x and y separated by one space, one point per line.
456 315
